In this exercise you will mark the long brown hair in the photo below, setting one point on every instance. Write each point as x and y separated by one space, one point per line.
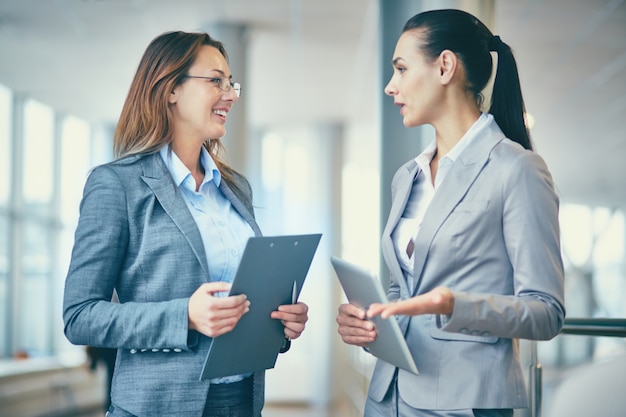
145 124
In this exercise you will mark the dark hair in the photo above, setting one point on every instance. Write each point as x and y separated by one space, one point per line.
145 124
472 41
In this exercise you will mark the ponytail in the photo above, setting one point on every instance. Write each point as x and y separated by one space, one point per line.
472 42
507 103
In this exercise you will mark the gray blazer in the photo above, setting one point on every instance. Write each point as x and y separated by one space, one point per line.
136 235
491 234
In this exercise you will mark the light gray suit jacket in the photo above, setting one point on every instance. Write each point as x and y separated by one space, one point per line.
491 234
136 235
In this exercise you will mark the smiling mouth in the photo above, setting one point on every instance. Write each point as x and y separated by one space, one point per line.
222 113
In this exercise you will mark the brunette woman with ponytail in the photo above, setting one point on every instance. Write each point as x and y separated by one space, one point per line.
472 239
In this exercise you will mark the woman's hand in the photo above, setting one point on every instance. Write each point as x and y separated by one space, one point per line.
440 300
354 328
213 316
293 317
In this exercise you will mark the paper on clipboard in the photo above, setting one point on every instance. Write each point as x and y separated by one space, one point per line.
271 273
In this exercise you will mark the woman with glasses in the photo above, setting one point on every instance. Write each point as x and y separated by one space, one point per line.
164 226
472 238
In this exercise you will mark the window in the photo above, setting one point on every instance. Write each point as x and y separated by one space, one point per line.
74 167
35 312
5 145
38 157
35 228
75 164
40 192
5 191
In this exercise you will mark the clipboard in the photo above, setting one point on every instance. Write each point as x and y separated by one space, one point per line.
363 288
271 273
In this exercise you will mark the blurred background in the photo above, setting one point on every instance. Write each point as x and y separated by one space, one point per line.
319 142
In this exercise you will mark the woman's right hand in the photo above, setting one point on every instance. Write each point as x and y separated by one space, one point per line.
213 316
354 328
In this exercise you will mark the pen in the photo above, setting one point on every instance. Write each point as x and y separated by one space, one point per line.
294 299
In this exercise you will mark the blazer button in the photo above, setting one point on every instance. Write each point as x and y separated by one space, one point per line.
485 334
133 351
166 350
464 330
178 350
144 350
155 350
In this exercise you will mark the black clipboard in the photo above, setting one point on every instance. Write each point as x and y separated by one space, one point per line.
266 274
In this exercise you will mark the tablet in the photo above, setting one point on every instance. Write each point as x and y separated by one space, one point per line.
363 288
271 273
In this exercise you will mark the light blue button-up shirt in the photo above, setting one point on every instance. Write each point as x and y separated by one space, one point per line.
224 232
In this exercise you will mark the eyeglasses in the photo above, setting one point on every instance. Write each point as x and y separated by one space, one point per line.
223 83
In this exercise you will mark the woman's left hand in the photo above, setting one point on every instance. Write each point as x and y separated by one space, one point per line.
293 317
439 300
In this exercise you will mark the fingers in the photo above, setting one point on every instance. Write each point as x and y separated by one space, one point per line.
298 309
217 321
293 317
214 287
389 309
352 310
440 300
214 316
410 306
376 309
293 330
353 327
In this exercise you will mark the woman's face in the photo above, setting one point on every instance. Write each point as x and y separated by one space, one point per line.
415 85
198 105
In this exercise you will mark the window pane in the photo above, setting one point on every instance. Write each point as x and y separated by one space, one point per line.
38 156
102 145
5 144
35 319
75 164
4 285
5 190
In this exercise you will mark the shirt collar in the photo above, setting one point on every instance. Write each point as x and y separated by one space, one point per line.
423 159
427 155
180 172
469 136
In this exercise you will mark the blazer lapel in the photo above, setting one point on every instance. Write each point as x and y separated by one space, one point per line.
403 186
462 175
157 177
241 208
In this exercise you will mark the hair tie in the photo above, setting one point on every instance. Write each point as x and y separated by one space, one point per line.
495 43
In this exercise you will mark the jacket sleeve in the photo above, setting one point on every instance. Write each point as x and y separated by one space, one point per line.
100 249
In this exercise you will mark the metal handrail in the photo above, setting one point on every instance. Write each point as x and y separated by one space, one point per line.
573 326
595 327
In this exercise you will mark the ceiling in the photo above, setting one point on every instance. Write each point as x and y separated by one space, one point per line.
316 60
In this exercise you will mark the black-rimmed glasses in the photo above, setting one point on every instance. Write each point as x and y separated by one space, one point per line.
223 83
